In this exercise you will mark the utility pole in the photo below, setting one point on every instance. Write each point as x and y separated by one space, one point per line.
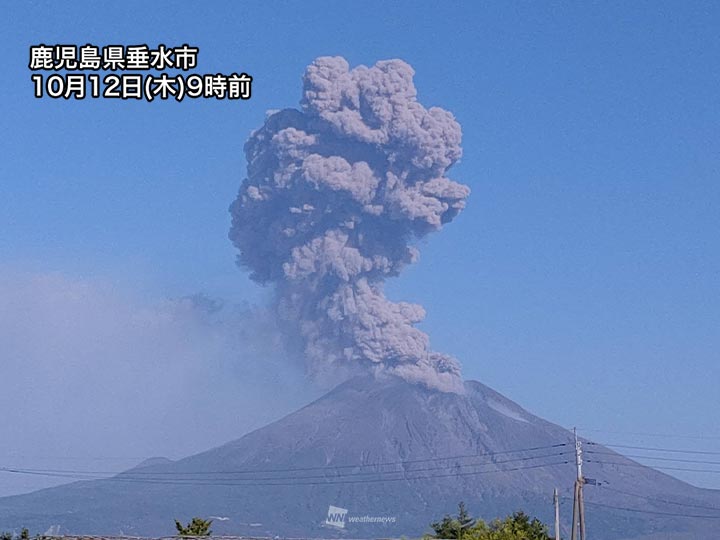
556 501
578 523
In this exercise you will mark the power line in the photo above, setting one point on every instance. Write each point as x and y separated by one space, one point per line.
656 449
320 467
660 468
679 460
243 481
655 513
131 474
665 435
14 455
655 499
250 483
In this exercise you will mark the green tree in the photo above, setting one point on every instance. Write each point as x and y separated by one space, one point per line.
464 520
454 528
197 527
24 535
518 526
447 527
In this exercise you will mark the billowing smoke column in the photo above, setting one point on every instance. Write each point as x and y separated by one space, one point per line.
334 196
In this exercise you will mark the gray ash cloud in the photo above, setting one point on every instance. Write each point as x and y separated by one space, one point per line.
335 195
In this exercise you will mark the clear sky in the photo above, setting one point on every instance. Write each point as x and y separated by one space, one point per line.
583 279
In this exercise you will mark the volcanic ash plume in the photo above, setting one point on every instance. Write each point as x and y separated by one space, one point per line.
335 194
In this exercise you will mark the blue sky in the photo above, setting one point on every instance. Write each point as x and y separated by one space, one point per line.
582 281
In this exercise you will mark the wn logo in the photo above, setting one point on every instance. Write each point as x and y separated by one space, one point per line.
336 517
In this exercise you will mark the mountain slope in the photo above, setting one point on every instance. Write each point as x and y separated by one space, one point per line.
280 479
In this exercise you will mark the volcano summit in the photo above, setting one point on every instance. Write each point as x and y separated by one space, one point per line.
377 448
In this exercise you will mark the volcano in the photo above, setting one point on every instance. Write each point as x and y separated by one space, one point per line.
396 456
